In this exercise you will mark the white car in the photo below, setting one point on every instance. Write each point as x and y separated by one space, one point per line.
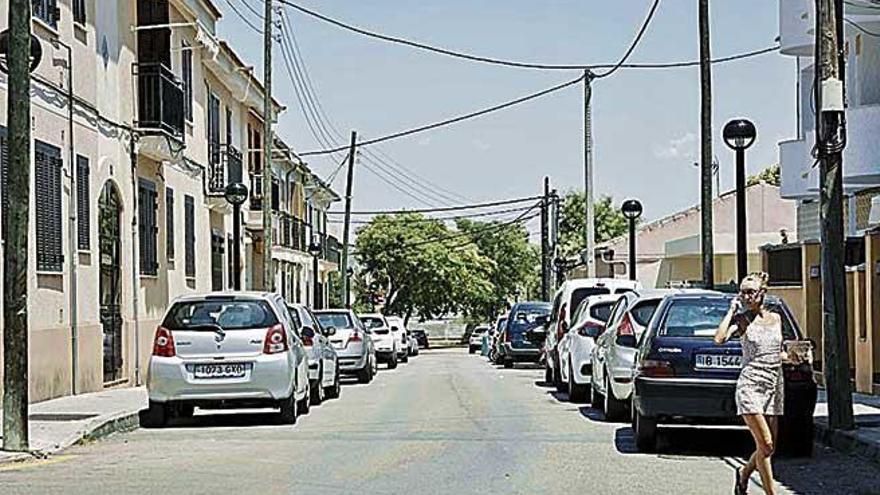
566 300
353 342
387 344
576 347
323 361
475 343
236 349
402 335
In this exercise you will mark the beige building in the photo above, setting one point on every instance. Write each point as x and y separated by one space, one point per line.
128 212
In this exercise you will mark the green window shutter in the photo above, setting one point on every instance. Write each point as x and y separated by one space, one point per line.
83 204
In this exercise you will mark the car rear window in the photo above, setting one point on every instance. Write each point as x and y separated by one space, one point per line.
478 331
601 311
229 314
525 319
335 320
579 295
700 319
643 311
372 322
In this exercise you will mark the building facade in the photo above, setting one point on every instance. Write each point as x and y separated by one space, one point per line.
127 210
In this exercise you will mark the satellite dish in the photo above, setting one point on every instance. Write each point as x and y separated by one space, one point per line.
36 52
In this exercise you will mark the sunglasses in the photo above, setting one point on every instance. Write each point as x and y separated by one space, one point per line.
748 292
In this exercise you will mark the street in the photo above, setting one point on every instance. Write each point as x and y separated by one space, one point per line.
447 422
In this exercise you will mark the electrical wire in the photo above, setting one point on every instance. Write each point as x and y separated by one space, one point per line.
459 235
472 206
442 218
512 63
241 16
861 28
634 44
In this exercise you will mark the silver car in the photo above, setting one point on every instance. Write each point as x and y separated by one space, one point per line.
323 360
227 350
402 334
388 343
353 342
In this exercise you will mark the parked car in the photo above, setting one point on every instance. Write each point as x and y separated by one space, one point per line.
402 335
497 340
614 354
352 341
576 347
517 345
387 343
421 337
682 376
566 300
323 360
220 350
475 342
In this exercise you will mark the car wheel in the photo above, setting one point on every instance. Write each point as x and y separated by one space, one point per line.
374 368
184 411
405 358
392 364
557 379
548 373
289 412
305 404
596 399
471 349
508 363
335 389
614 408
576 393
797 436
155 416
645 432
364 375
318 389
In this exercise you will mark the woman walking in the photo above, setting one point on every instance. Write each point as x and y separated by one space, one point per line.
759 390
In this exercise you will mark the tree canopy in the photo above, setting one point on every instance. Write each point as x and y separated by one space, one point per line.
609 222
770 175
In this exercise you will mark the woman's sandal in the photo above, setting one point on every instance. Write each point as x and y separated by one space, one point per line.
740 488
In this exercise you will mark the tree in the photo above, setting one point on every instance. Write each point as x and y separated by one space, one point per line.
609 222
770 175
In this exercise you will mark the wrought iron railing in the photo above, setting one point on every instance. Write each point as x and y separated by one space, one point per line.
160 99
224 167
256 192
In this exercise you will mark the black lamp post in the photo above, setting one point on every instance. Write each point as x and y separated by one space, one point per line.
739 135
315 250
632 210
236 194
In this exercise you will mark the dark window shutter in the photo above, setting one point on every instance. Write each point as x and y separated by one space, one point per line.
4 167
47 191
79 11
187 72
190 235
46 11
147 227
169 223
83 207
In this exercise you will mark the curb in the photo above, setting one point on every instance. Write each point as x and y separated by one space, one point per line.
848 442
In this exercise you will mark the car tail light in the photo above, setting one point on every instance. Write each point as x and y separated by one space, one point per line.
626 326
276 340
654 368
163 343
562 326
583 331
355 337
801 373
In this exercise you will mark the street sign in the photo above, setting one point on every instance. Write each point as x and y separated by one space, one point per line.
36 52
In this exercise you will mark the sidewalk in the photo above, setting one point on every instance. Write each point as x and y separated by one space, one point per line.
864 441
59 423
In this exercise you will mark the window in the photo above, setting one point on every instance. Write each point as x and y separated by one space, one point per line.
213 128
601 311
227 313
276 197
83 209
169 223
147 227
189 211
79 11
47 188
186 65
229 128
46 11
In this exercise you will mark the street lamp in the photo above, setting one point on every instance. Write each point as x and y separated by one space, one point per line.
739 135
315 250
632 210
236 194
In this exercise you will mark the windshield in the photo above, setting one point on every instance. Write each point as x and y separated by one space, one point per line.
228 315
372 322
699 318
335 320
579 295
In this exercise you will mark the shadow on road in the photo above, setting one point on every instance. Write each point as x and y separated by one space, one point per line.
227 419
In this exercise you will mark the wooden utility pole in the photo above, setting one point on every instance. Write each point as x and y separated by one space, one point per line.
545 242
830 142
707 242
346 229
558 268
268 143
15 230
589 223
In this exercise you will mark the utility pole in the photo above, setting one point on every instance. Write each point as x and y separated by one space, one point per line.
268 143
554 239
545 242
346 280
589 224
707 246
831 140
15 230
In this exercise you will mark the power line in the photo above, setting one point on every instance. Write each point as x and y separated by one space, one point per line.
490 228
861 28
241 16
472 206
453 120
512 63
634 43
443 218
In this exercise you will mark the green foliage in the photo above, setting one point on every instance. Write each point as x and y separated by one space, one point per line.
334 281
770 175
609 222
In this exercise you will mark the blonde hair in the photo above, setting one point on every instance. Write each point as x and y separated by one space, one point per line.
759 279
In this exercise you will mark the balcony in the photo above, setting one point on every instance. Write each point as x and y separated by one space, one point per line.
224 167
797 27
332 250
160 99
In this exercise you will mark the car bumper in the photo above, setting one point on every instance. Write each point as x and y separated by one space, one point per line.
685 398
522 355
172 379
384 355
351 363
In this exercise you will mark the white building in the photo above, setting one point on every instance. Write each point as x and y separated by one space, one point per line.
861 169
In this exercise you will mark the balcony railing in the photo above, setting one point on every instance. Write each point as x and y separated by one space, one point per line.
291 232
224 167
160 99
256 192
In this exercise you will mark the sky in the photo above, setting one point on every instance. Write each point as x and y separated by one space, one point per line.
645 122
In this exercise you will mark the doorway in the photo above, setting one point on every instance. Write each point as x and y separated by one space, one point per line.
110 279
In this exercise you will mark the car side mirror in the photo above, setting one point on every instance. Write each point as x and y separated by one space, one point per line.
626 341
308 332
330 331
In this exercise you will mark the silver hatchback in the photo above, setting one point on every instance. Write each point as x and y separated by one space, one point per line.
227 350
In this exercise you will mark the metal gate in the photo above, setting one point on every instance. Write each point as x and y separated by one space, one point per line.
110 293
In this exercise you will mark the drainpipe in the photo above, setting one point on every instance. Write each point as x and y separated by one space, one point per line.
135 271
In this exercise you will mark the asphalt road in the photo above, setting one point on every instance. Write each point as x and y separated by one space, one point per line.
447 423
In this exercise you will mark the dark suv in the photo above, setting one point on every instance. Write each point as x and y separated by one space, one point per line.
681 376
516 344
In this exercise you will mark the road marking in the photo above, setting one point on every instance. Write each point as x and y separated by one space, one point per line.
18 466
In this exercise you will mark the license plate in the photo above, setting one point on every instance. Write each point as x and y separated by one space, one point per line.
718 362
337 343
224 370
